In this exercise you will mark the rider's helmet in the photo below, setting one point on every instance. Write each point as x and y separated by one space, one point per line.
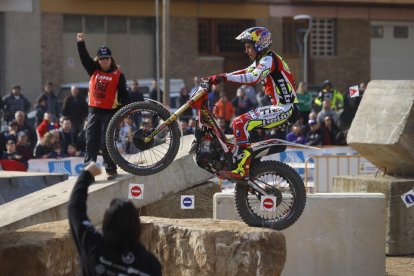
260 37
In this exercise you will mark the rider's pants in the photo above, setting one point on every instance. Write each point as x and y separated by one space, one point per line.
263 117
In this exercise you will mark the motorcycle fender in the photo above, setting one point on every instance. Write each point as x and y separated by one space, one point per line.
268 150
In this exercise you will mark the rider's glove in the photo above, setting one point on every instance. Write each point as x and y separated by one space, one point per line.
216 79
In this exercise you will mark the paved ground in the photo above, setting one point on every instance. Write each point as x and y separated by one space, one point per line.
400 266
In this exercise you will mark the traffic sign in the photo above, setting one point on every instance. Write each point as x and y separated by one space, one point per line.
354 91
268 203
408 198
136 191
187 202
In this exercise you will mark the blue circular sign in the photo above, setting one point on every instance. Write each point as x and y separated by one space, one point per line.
187 201
409 198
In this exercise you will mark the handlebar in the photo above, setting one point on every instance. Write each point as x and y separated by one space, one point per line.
206 84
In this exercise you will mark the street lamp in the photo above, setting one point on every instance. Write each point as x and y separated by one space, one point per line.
305 43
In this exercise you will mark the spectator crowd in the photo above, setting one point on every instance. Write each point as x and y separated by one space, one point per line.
58 131
325 116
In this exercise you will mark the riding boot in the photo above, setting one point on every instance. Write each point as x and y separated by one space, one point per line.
241 168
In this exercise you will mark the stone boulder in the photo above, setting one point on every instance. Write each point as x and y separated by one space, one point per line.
189 247
44 249
383 128
183 246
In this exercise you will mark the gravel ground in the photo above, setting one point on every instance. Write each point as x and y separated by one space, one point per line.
400 266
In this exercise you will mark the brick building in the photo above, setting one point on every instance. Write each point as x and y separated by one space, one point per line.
351 41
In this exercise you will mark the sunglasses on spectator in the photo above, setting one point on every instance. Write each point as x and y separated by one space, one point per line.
104 58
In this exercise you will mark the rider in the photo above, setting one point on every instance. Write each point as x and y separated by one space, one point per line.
269 68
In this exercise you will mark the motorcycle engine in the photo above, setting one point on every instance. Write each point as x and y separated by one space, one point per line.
209 155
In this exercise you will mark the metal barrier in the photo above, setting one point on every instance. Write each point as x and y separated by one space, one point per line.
325 167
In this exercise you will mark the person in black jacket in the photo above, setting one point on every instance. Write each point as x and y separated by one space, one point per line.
107 93
117 251
76 108
136 95
13 102
52 104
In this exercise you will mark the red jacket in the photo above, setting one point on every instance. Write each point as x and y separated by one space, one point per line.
44 127
223 109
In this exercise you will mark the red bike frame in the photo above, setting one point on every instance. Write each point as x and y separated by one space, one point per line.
205 118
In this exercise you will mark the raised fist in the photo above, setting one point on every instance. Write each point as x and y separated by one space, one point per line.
80 37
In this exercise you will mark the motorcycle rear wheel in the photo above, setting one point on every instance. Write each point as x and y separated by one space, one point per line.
279 180
125 138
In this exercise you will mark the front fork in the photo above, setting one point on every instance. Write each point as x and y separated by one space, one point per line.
252 185
167 122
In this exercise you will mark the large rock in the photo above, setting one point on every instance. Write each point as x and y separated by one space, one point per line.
44 249
383 128
215 247
184 247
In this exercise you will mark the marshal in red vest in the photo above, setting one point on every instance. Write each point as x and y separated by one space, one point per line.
103 89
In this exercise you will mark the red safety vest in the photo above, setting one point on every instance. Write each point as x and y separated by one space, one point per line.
103 89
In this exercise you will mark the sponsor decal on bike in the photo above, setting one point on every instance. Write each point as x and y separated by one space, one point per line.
265 144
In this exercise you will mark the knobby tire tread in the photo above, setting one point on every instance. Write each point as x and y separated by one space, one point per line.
288 173
164 114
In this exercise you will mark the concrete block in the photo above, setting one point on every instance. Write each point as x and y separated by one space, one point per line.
224 207
399 220
383 128
337 234
170 206
50 204
17 184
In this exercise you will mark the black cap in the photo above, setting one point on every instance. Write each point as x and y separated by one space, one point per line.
104 51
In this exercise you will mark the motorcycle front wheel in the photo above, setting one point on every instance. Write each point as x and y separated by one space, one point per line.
127 131
276 179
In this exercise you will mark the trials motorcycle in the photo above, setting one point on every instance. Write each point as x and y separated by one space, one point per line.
143 138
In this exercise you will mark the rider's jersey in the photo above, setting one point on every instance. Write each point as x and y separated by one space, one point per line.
275 76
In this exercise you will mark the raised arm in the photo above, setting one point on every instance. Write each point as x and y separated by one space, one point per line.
87 62
80 224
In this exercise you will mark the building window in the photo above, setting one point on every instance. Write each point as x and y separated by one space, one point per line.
217 36
400 32
226 34
204 37
72 23
108 24
377 31
117 24
323 38
142 25
94 24
293 35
